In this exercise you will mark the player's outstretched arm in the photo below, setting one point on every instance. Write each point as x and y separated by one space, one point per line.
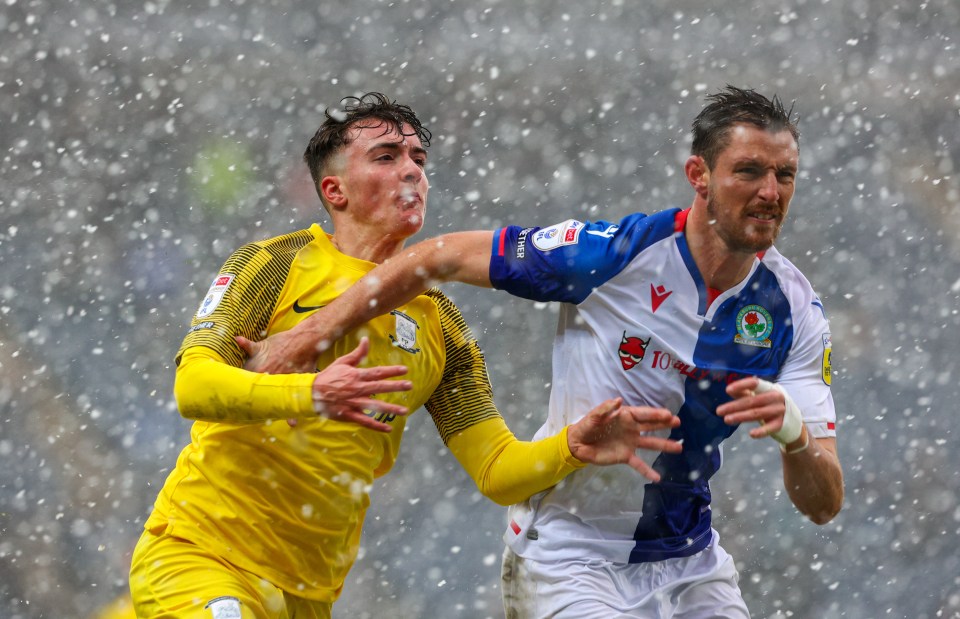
507 470
459 256
611 434
812 474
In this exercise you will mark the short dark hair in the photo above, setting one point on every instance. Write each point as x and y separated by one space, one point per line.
334 133
732 106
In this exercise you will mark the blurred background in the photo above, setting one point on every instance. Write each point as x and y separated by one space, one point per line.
141 142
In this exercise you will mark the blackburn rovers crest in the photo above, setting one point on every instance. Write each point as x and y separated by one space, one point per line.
754 327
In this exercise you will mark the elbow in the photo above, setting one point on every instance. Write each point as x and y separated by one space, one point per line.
822 517
185 396
827 511
184 406
504 493
504 497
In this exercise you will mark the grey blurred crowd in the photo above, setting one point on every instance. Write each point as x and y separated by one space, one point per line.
141 142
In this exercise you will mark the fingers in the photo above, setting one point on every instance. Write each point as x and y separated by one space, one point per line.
643 468
379 372
334 409
385 386
766 408
249 347
742 388
649 419
364 412
378 406
656 443
607 406
358 412
245 345
361 420
356 356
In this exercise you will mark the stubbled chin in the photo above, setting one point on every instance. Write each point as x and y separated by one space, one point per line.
761 240
415 219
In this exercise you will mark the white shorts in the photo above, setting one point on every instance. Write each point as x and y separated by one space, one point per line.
703 586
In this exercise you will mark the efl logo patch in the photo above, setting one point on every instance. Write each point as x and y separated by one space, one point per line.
406 332
565 233
217 289
754 326
224 608
827 353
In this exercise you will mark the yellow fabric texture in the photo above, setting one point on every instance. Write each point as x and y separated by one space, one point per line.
175 578
288 503
120 608
507 470
232 394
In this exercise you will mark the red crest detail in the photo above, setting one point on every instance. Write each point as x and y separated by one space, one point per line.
631 351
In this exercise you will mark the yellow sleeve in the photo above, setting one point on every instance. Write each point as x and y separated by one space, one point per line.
507 470
120 608
207 388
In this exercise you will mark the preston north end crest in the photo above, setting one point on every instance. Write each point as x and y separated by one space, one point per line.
405 335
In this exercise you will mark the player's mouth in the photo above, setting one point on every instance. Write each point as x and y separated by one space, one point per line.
764 217
409 199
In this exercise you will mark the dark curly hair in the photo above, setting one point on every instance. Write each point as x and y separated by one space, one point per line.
372 109
732 106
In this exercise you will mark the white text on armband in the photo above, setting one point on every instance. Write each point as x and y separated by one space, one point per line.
522 242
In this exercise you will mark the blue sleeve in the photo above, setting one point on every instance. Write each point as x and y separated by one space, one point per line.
567 261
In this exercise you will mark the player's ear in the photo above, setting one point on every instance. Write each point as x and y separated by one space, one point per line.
698 174
332 190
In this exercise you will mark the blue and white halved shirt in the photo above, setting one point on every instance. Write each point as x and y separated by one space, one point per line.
638 322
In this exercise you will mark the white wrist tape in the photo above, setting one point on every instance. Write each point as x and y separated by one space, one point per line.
792 419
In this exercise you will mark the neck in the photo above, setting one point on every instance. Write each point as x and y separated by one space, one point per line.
365 241
720 267
377 250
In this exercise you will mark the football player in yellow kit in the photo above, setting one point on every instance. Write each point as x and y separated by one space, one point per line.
261 517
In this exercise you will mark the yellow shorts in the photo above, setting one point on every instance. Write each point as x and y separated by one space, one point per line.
172 578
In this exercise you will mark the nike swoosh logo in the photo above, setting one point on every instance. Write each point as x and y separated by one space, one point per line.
304 309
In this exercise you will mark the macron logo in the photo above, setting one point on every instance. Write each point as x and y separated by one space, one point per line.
658 294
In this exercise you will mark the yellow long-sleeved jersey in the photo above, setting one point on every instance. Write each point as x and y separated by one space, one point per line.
288 503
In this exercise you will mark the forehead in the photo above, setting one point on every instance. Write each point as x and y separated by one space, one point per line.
368 133
746 141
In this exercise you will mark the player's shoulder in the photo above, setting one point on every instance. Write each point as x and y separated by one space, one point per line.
445 305
642 230
456 332
793 283
288 243
635 226
274 247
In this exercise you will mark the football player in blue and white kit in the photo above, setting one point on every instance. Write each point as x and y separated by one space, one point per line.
692 310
